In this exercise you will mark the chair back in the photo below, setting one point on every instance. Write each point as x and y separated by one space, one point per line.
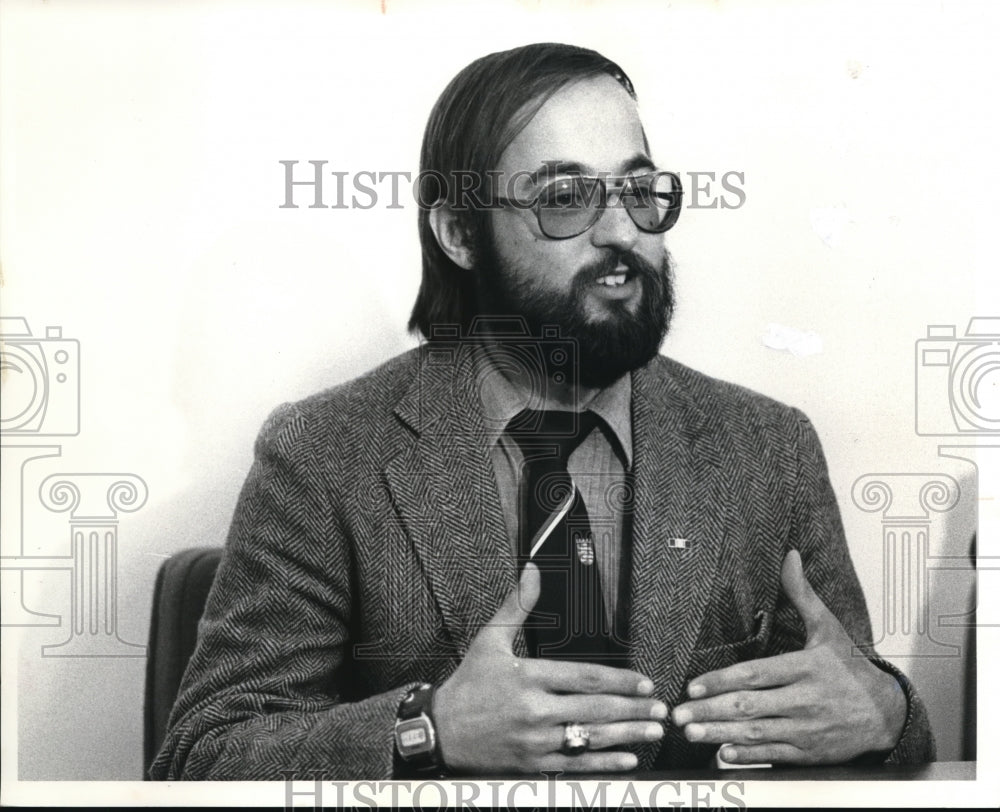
179 596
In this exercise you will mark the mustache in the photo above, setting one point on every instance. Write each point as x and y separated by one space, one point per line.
635 264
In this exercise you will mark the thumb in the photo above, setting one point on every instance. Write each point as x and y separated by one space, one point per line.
800 592
518 604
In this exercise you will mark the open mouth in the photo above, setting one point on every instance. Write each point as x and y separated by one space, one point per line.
619 277
613 280
620 285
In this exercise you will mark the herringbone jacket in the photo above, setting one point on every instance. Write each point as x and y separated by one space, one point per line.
368 547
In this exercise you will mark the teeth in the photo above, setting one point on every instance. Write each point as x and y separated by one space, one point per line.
613 280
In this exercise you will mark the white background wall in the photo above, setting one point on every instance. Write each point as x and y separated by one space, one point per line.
140 196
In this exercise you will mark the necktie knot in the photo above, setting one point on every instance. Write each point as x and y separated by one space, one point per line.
531 428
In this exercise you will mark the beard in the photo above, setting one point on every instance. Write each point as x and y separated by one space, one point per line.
608 346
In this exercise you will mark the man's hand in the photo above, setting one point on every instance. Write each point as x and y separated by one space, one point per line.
825 704
499 713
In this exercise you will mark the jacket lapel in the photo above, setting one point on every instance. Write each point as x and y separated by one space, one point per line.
444 488
677 530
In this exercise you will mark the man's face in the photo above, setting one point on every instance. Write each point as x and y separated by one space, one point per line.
609 287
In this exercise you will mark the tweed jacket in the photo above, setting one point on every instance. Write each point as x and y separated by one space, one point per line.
368 547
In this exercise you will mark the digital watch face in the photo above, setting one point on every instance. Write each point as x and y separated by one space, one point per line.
414 736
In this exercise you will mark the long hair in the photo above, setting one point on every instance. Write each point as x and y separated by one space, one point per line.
474 120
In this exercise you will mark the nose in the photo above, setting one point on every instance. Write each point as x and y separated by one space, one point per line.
615 227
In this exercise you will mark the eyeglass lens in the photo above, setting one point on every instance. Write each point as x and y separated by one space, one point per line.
569 206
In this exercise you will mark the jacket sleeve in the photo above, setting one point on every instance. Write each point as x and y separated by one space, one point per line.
818 533
263 691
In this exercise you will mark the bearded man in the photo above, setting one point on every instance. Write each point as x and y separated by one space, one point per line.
533 543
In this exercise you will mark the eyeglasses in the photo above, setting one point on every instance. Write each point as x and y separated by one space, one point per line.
566 207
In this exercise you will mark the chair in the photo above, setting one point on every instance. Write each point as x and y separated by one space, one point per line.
969 729
179 596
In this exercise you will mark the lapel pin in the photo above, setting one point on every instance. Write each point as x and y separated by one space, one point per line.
678 544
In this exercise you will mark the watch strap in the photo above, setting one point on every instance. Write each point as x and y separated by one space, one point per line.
416 704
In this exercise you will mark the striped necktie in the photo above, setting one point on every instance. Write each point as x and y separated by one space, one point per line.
554 532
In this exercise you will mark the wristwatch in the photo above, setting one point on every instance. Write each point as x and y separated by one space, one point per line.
416 738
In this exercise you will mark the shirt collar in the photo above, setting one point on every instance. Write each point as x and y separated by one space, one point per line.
502 400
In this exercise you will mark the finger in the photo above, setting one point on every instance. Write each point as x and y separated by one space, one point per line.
517 606
590 762
618 734
803 597
767 672
604 736
756 731
736 706
588 709
772 753
589 678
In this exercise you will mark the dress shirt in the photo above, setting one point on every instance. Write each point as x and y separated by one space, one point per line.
599 467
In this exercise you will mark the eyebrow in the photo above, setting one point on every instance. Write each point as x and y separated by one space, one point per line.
551 168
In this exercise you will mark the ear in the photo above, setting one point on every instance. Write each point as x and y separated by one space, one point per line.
452 236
